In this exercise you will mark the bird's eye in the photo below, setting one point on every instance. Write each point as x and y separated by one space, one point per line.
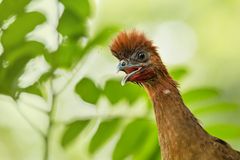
141 56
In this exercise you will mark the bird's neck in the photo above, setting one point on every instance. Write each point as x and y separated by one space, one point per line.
178 129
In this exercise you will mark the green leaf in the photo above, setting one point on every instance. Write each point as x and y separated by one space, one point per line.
133 137
155 155
15 34
10 76
199 95
110 89
129 92
178 73
225 131
72 131
105 131
216 108
88 91
133 92
66 56
31 48
11 7
73 22
80 8
151 147
34 89
70 25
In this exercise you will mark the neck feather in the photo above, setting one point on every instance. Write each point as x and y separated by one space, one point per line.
178 129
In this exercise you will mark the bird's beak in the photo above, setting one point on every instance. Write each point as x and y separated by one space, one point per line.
129 69
120 67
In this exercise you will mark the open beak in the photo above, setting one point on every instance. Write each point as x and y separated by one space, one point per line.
129 69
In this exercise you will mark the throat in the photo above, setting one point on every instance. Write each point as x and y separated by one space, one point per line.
178 129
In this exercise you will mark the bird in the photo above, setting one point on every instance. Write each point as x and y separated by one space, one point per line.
180 135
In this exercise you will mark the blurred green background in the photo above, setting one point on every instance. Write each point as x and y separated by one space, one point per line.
60 96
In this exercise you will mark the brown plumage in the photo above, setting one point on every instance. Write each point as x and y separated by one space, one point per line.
181 137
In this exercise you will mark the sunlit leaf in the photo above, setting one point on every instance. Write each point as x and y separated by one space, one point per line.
88 91
16 61
225 131
133 137
178 73
105 132
200 94
11 7
72 131
15 34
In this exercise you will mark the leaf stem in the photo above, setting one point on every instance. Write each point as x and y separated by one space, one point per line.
51 115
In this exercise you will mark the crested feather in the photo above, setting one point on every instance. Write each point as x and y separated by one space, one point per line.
127 43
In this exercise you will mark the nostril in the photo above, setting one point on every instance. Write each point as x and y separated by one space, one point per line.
123 63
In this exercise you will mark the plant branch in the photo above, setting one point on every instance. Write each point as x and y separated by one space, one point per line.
53 107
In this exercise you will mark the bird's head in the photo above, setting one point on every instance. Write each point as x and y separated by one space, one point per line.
138 57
